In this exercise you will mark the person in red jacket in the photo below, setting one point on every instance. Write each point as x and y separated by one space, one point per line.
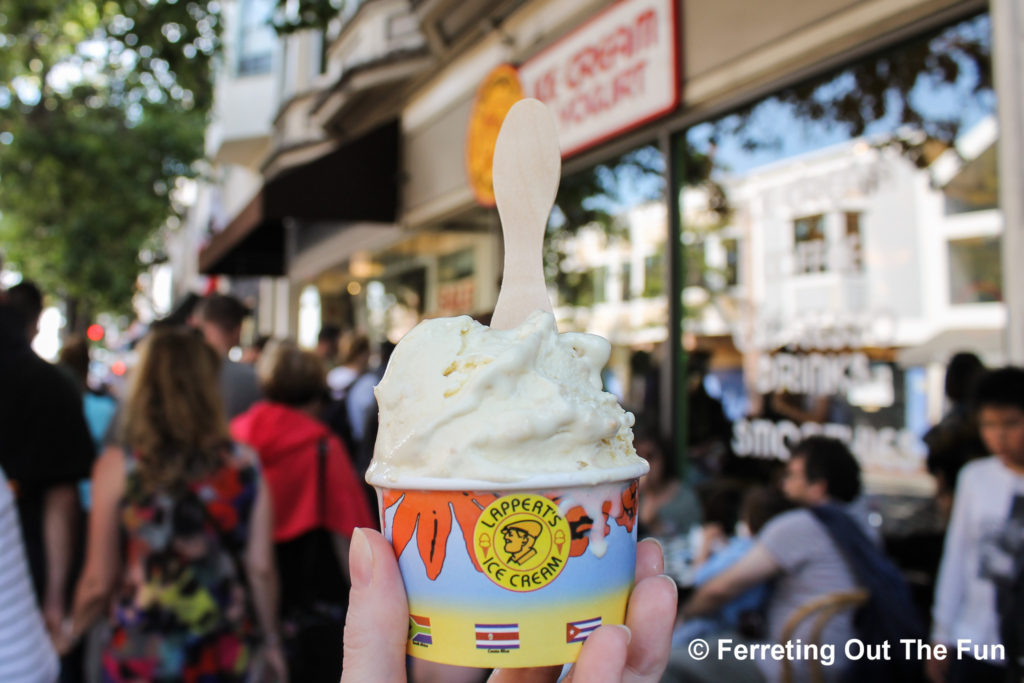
317 501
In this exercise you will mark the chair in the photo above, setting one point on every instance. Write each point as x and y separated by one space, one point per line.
822 609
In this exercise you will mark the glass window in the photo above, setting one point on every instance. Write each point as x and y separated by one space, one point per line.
257 37
456 266
810 249
731 274
975 270
655 275
600 281
852 251
607 231
865 175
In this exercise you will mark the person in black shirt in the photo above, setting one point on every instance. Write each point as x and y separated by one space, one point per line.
45 449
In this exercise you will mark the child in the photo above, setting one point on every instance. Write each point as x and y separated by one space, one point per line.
978 596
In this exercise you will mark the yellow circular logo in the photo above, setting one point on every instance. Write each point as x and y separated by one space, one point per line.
521 541
495 96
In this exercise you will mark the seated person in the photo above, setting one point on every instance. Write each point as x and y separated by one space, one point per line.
721 550
670 506
797 553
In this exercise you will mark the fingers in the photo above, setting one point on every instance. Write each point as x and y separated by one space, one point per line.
650 560
636 653
650 617
378 615
603 656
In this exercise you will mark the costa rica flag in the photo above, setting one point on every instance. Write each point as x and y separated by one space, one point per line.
497 636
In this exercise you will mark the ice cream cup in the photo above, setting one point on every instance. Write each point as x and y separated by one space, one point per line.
512 574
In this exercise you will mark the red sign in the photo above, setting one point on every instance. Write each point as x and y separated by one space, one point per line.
456 298
614 73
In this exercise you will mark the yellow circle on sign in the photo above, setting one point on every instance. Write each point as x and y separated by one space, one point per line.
495 96
522 541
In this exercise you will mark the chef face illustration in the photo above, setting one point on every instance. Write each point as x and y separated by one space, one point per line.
520 537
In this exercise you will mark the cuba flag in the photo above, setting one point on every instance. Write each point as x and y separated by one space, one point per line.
577 631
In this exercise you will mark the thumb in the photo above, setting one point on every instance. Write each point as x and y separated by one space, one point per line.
377 625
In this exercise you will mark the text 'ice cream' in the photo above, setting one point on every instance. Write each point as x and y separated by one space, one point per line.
462 400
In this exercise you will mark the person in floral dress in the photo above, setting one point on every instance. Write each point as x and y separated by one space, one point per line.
180 534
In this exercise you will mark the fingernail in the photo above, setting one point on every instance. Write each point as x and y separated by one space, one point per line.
651 539
360 559
629 634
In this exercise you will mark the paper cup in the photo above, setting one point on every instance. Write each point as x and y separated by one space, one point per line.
503 576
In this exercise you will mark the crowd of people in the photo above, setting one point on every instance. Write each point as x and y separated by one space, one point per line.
219 502
795 558
212 524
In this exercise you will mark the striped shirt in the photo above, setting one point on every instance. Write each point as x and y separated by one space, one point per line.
26 654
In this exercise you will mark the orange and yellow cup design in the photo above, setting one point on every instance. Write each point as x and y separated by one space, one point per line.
511 578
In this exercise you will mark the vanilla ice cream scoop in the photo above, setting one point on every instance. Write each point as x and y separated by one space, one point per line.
462 400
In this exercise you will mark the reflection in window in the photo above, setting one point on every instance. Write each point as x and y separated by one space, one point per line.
811 251
975 271
856 172
257 37
600 279
456 266
655 275
851 253
975 185
621 203
731 273
576 288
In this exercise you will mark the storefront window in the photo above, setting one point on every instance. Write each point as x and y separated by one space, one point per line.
606 266
820 219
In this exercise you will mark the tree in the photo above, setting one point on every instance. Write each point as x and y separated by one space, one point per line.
102 111
297 15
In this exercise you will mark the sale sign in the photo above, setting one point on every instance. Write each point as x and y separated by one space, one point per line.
614 73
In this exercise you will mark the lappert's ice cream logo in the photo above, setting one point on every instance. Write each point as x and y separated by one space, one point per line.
522 542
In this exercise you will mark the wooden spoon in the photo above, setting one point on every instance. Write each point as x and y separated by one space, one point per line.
527 168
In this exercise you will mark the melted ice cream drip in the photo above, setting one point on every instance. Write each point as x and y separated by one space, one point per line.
592 500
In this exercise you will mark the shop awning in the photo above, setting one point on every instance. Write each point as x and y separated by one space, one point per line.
355 182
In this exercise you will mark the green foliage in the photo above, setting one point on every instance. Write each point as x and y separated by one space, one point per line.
102 110
906 87
296 15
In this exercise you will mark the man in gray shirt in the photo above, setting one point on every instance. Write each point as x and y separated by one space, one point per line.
219 317
796 552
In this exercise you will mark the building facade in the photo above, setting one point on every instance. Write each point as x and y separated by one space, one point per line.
741 182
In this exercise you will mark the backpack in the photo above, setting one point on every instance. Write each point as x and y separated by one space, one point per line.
889 615
314 594
335 415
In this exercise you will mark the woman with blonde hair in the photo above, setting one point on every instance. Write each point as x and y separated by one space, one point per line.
196 584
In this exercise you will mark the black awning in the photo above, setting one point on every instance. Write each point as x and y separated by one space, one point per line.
355 182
